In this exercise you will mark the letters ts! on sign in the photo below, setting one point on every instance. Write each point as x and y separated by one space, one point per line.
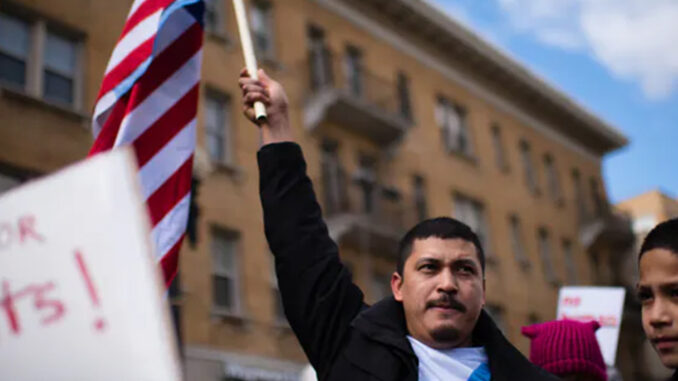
80 293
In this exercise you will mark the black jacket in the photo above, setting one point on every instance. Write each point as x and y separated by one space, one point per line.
344 338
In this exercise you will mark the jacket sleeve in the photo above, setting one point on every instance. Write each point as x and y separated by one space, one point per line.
319 297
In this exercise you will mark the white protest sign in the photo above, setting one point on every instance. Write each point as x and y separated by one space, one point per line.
80 294
602 304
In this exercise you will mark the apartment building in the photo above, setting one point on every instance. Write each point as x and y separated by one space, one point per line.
402 113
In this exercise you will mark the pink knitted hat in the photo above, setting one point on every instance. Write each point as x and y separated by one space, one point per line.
566 346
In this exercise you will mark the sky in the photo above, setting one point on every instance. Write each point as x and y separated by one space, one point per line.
617 58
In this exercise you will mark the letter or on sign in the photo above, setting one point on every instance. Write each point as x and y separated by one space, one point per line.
80 293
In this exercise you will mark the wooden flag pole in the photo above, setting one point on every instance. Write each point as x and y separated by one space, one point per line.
248 52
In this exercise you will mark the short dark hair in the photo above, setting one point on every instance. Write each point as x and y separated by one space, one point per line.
440 227
663 236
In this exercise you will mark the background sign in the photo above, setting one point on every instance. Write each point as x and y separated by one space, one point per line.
80 297
602 304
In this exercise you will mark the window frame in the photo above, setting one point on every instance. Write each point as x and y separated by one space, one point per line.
231 274
444 107
529 170
498 144
545 249
218 9
477 207
226 135
553 182
266 8
567 246
34 81
518 244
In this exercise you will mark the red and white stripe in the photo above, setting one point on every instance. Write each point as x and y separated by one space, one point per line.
148 99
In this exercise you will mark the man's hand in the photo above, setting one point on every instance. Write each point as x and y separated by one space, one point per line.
276 127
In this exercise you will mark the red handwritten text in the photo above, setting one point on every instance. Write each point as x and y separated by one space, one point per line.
19 232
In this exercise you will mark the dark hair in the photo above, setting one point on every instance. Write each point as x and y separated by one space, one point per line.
440 227
663 236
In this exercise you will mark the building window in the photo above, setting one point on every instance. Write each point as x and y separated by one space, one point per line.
517 242
570 265
60 68
598 201
225 282
380 285
579 198
420 203
546 253
552 179
41 61
278 309
366 179
320 61
528 167
333 179
472 213
15 42
262 27
455 133
214 17
498 315
217 127
499 152
354 70
404 101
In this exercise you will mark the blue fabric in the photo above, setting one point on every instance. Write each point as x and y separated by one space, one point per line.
482 373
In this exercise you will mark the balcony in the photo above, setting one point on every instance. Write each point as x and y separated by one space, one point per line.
367 216
353 98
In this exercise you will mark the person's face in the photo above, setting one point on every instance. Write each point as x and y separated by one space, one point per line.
442 290
658 293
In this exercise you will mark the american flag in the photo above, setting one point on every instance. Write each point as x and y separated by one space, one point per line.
148 99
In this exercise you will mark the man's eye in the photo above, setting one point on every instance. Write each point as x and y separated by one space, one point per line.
467 270
644 296
427 267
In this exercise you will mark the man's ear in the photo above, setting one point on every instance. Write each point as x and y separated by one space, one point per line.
484 293
396 284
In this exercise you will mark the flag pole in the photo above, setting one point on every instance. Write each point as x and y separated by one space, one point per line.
248 52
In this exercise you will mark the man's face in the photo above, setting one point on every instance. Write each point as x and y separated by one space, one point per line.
658 293
442 290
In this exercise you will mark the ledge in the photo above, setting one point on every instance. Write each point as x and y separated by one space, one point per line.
22 96
228 316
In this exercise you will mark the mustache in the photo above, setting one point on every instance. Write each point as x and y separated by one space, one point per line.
447 301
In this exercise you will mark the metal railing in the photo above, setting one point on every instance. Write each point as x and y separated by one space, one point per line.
325 70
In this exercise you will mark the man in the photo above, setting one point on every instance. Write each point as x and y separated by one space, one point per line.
433 328
658 291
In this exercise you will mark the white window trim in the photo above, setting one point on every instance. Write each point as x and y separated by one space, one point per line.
570 263
227 158
35 64
462 202
219 28
529 169
234 274
545 248
446 107
518 241
553 179
267 7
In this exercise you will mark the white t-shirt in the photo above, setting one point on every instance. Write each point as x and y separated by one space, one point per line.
459 364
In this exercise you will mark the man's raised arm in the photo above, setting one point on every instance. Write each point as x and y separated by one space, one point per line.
318 295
